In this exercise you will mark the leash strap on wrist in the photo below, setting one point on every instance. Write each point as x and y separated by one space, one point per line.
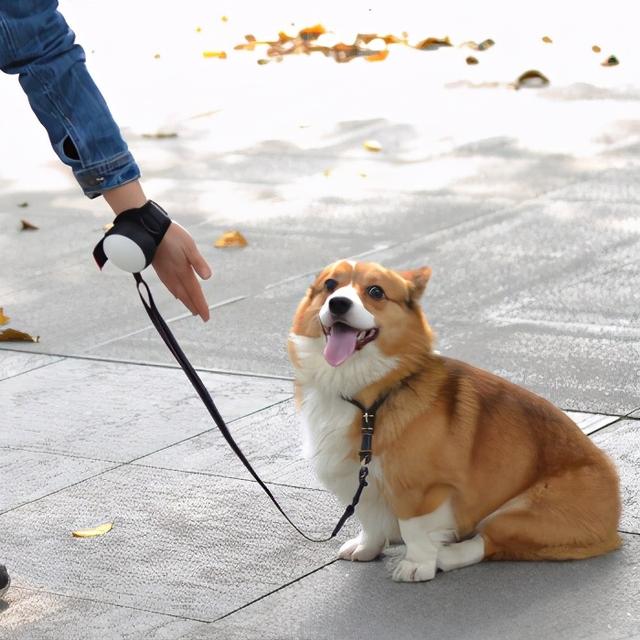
205 396
132 241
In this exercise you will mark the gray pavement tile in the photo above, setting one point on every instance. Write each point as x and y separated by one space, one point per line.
13 363
590 422
621 441
115 411
33 615
270 439
30 475
182 544
614 185
595 598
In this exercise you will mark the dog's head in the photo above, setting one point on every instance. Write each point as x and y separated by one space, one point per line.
361 311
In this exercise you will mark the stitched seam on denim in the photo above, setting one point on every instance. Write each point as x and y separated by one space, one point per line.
71 130
111 164
99 190
13 50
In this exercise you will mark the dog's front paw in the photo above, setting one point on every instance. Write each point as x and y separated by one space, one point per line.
358 549
408 571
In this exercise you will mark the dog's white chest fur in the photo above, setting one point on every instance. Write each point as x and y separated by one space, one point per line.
327 417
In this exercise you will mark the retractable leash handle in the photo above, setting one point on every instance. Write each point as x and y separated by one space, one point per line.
131 245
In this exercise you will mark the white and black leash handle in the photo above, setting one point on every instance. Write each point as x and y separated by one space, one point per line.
205 396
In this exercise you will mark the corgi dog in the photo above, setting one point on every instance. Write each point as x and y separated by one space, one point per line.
465 465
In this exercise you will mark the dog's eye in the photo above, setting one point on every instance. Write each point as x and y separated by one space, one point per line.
376 292
330 285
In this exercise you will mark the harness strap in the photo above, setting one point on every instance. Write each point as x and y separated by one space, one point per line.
205 396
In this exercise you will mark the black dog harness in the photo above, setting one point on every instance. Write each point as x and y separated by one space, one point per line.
147 232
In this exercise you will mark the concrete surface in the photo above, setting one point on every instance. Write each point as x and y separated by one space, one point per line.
525 203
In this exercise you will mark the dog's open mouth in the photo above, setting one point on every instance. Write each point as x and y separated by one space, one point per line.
344 340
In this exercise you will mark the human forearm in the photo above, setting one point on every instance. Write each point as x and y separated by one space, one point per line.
128 196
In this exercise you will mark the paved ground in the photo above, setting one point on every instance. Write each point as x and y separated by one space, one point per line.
525 204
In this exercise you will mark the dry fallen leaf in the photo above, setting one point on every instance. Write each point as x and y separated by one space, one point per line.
22 205
547 39
160 135
531 79
230 239
3 319
471 60
93 532
27 226
326 173
430 44
224 19
379 56
263 61
12 335
611 61
483 46
156 56
596 49
222 55
311 33
198 29
372 145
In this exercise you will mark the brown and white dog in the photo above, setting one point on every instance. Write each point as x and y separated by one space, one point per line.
466 466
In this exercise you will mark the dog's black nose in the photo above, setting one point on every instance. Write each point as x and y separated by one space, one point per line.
339 306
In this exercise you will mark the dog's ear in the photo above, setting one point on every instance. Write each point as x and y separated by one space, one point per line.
417 280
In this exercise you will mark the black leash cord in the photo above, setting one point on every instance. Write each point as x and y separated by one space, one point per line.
205 396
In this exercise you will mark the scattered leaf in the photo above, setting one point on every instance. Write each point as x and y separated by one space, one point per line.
160 135
531 79
23 205
430 44
611 61
93 532
263 61
379 56
483 46
12 335
596 49
547 39
311 33
198 29
107 226
224 19
156 56
326 173
222 55
362 174
471 60
230 239
3 319
372 145
27 226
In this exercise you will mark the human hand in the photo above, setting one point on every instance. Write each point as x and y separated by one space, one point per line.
175 261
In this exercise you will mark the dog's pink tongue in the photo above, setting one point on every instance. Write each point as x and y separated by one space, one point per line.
341 343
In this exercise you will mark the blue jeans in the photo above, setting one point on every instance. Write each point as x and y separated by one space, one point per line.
37 44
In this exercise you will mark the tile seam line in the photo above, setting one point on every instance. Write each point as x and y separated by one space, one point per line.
159 365
60 358
57 453
280 588
182 316
109 603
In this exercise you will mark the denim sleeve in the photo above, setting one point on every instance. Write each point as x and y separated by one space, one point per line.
37 44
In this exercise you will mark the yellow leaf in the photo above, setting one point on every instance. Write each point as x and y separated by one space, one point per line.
378 56
471 60
3 319
198 29
372 145
224 19
547 39
433 43
230 239
156 56
311 33
596 49
27 226
12 335
326 173
160 135
214 54
100 530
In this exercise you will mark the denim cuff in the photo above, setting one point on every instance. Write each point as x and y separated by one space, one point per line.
106 175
